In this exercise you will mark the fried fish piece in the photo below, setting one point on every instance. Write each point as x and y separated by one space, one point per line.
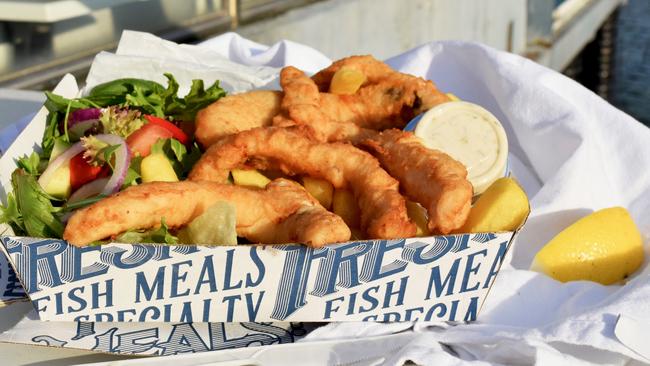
429 177
235 113
391 102
301 105
281 213
291 150
382 87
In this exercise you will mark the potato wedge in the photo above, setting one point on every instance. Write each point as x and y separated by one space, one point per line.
157 168
418 214
346 81
502 207
320 189
250 178
344 205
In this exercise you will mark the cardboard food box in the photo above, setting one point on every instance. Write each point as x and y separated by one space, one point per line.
153 339
10 288
436 278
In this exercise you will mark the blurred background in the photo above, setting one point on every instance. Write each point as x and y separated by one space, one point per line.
603 44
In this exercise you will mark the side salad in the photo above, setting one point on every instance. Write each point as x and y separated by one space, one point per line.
124 132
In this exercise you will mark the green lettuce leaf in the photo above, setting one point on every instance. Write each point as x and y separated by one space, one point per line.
50 134
30 163
131 178
93 148
142 96
181 159
149 103
160 235
121 121
10 214
29 209
133 174
57 103
185 109
115 92
69 207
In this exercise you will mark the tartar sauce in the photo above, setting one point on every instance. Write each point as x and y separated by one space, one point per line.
470 134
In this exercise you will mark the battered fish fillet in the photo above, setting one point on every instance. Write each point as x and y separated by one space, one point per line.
429 177
236 113
383 209
281 213
302 106
391 102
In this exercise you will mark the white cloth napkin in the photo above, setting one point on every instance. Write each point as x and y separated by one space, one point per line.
141 55
571 150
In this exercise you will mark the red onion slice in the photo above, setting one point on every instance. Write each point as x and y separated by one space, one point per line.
81 115
61 160
121 164
88 190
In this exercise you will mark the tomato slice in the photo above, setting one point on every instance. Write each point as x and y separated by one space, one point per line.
81 172
177 133
142 139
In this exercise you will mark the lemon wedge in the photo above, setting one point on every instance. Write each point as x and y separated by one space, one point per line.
502 207
604 247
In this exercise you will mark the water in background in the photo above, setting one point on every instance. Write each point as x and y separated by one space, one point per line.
616 64
630 83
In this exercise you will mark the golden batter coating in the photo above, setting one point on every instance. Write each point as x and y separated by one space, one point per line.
430 177
391 102
236 113
283 212
291 150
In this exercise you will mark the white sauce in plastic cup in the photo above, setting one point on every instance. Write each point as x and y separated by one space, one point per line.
470 134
